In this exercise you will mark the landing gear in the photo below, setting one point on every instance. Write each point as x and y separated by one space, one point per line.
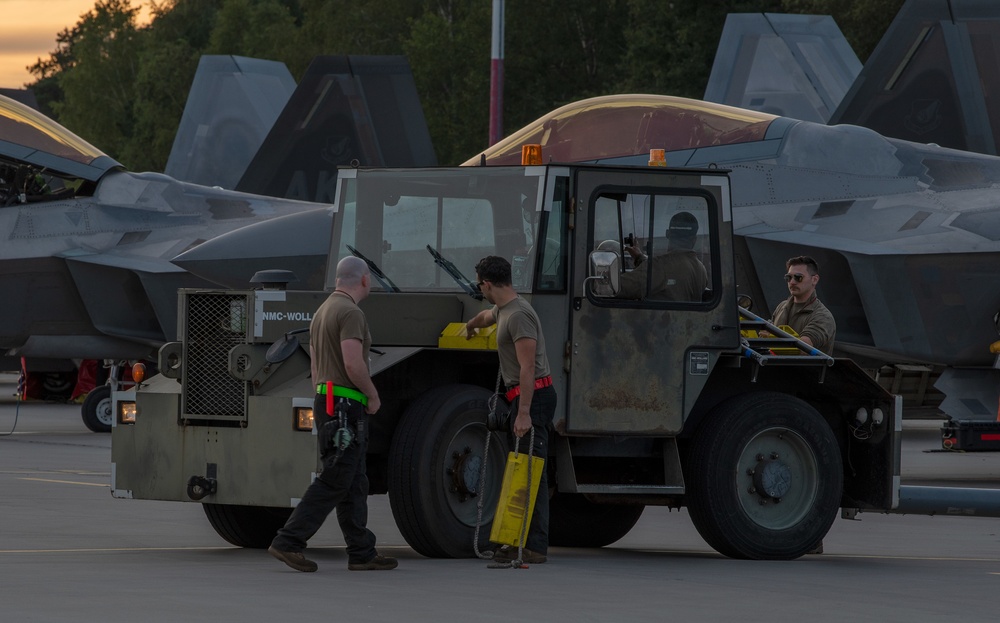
96 410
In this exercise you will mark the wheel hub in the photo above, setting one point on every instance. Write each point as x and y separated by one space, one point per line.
772 478
465 473
779 485
104 413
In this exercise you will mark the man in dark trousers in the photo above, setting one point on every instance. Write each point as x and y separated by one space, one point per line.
345 396
524 367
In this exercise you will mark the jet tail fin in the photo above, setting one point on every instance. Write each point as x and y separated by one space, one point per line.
232 104
797 66
346 109
933 78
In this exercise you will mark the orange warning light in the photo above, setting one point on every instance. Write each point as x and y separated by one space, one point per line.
531 154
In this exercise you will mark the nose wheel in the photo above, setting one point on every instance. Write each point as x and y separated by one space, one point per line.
96 410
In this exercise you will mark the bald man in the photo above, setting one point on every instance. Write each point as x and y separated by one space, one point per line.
339 342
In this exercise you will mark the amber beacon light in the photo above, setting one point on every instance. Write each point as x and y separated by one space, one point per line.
139 372
657 158
531 154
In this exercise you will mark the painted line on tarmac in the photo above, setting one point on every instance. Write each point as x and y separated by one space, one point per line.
92 550
68 482
63 472
820 557
927 558
29 433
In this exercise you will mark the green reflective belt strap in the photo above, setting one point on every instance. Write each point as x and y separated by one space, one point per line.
343 392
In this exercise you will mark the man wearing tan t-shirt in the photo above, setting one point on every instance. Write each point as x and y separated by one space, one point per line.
677 275
524 367
802 310
338 343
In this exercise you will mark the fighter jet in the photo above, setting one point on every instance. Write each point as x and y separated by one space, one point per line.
85 266
907 235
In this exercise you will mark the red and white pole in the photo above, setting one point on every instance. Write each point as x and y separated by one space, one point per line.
496 74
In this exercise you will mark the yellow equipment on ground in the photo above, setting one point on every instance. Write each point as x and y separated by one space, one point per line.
516 505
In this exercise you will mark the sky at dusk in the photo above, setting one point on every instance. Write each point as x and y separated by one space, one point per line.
28 30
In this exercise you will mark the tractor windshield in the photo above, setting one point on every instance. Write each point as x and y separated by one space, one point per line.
393 216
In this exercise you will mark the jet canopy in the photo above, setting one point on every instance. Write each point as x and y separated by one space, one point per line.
614 126
31 138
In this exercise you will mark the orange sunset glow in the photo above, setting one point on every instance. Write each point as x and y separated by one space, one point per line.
28 32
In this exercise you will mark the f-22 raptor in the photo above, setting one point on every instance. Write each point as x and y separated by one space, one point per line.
907 234
85 267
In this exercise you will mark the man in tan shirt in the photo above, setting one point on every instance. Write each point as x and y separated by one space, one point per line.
339 341
524 367
677 275
802 310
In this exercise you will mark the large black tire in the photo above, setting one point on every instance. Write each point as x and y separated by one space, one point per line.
96 411
575 521
58 385
246 526
764 477
434 468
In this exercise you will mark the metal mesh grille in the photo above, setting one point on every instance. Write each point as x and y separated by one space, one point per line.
216 322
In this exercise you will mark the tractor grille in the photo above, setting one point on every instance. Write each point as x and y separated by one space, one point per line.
216 322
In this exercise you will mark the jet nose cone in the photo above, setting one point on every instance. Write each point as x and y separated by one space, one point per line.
297 242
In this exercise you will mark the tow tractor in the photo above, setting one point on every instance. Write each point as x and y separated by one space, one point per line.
661 402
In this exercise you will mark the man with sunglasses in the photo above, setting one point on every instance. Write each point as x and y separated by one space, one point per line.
805 314
524 367
803 311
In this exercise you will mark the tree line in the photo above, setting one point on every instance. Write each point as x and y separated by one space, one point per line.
123 87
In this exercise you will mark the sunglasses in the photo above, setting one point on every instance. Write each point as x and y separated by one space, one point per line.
798 277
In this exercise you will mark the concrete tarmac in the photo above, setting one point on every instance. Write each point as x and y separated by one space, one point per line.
71 552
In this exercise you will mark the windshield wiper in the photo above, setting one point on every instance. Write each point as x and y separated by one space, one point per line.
470 288
384 281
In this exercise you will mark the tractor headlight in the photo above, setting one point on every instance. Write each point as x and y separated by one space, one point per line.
126 412
303 418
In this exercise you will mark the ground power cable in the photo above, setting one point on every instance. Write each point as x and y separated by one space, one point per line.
19 395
